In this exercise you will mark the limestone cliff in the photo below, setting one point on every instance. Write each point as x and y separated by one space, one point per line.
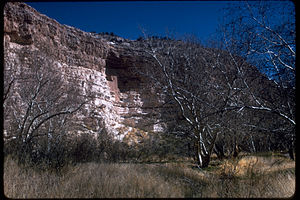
96 63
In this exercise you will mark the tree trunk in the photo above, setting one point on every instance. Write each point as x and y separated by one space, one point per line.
219 150
202 158
291 153
236 149
203 152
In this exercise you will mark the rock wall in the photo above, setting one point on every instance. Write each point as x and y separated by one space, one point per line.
95 64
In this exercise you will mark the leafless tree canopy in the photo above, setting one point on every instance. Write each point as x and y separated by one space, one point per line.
264 34
37 102
220 93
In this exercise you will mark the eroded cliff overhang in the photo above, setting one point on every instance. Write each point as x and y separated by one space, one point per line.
92 62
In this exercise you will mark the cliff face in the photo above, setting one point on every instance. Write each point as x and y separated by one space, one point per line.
94 63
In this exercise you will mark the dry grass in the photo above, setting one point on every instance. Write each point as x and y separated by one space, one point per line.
87 181
256 164
256 176
245 177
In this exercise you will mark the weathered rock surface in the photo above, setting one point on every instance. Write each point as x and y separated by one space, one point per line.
102 66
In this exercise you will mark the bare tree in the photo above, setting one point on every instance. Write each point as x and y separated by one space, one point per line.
38 102
199 82
263 33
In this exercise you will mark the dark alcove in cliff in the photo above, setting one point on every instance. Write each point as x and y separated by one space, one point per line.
118 71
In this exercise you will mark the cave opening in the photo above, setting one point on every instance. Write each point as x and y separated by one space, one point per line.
118 71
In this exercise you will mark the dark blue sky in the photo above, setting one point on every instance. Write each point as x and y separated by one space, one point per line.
124 18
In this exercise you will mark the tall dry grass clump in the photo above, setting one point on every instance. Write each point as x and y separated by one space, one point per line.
255 176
